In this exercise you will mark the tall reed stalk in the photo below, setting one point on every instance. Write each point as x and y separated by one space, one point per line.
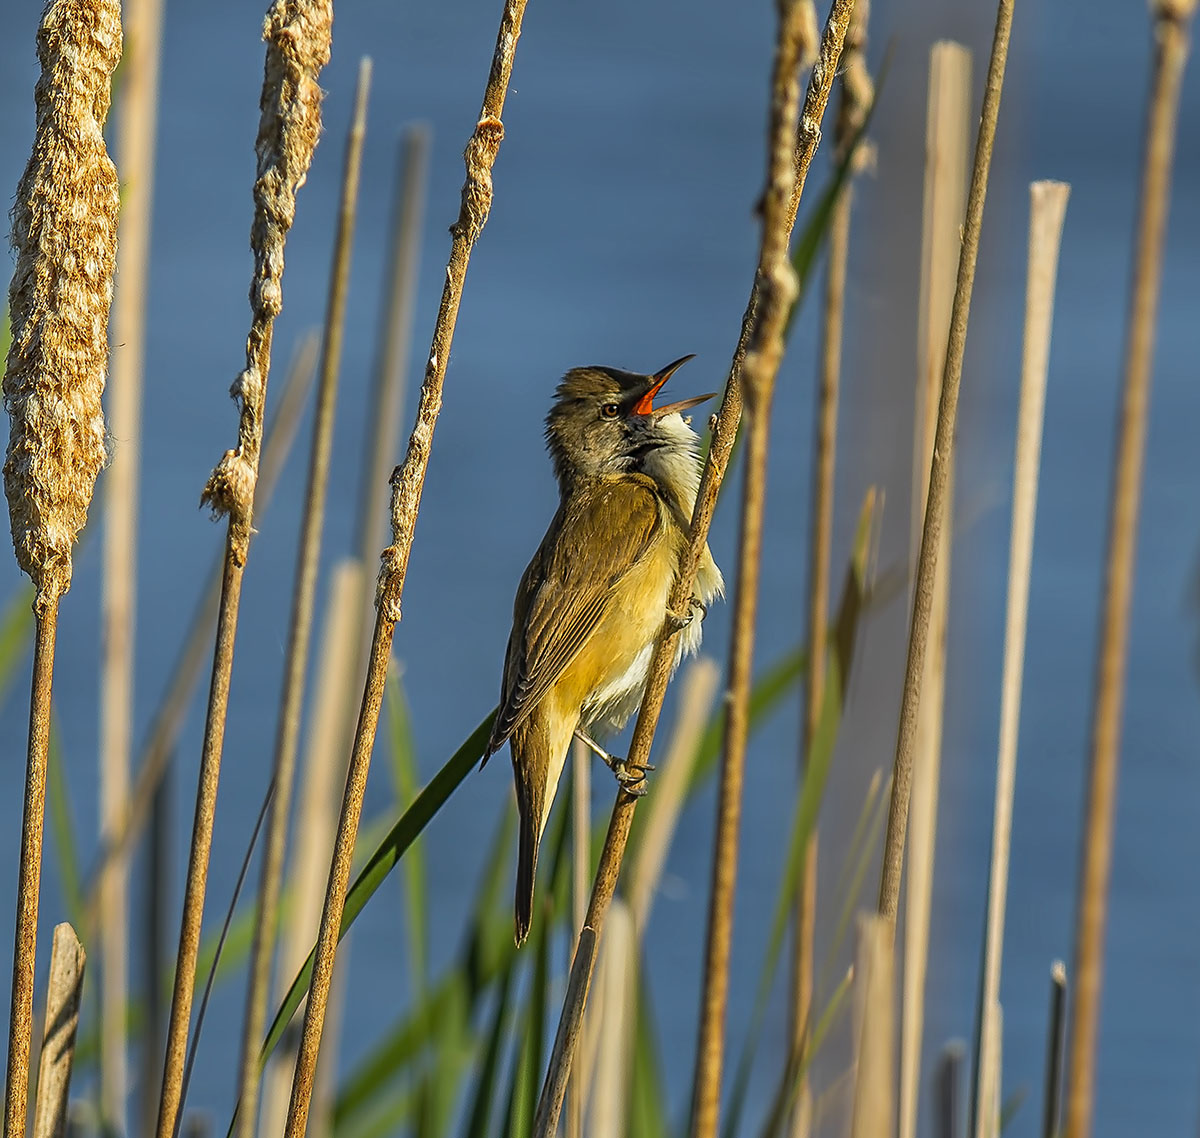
947 132
875 1029
136 116
1171 44
857 94
1048 205
407 483
720 449
64 234
63 993
300 623
297 33
939 476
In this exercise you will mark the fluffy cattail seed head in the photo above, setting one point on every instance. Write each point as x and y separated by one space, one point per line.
65 236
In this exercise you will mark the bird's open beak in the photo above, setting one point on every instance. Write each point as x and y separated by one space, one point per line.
645 405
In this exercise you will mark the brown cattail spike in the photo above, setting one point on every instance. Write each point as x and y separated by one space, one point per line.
65 237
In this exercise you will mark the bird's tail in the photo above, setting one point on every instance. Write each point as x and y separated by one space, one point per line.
530 827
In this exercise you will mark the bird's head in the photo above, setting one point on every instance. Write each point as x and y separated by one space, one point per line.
604 421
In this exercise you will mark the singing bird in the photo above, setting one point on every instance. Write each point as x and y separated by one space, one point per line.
594 598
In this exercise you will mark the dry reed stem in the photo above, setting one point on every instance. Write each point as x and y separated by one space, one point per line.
581 858
64 235
1056 1047
947 134
136 121
1171 27
300 623
63 992
297 33
875 1035
609 1078
1048 201
724 434
778 289
407 481
168 718
325 771
939 475
987 1100
856 97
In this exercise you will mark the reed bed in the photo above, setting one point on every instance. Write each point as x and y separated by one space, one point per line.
834 1041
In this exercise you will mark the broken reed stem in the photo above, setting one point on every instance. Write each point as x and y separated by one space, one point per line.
1056 1047
1048 202
724 434
300 624
875 1029
947 141
856 96
407 482
168 719
778 289
136 119
64 233
1171 20
297 33
63 992
939 475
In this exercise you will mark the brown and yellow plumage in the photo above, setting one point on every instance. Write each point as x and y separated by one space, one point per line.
594 598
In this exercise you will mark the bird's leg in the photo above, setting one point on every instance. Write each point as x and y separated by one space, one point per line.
631 776
677 622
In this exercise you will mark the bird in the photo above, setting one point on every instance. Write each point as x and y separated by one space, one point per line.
594 598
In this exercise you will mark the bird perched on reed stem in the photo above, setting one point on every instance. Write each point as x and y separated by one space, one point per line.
594 598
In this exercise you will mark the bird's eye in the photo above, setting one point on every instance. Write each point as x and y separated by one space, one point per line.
610 410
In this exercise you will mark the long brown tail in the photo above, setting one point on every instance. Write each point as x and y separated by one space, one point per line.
527 856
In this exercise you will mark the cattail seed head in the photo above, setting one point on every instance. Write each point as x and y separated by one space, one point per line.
65 236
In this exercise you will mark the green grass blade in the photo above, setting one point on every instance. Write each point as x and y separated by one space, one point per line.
479 1114
398 839
16 637
647 1092
402 753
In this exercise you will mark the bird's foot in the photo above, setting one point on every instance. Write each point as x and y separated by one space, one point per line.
677 622
631 776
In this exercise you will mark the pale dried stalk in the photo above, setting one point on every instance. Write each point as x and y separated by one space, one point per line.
721 447
986 1105
778 289
939 476
63 993
608 1078
325 771
581 859
947 132
1048 202
1056 1048
407 482
64 234
297 33
136 119
856 96
300 622
1171 27
875 1042
168 719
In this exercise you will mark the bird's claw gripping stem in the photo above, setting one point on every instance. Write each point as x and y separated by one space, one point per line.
631 776
677 622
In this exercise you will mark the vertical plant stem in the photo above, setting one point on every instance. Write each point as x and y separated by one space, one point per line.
63 992
300 624
1171 20
1056 1047
407 483
856 98
20 1020
947 1111
155 965
947 135
298 43
168 719
1048 202
720 449
875 1036
136 119
939 475
581 856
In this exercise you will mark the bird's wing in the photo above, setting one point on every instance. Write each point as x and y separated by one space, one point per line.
564 594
